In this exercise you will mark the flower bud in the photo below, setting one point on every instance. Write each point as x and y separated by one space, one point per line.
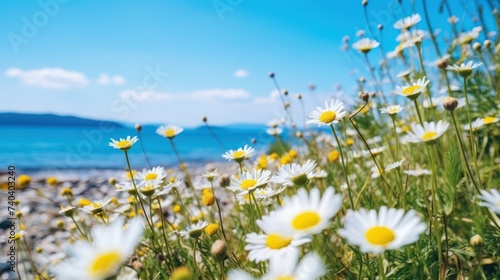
442 63
138 127
285 92
380 27
487 43
299 134
364 3
271 75
299 96
224 181
476 46
364 96
362 80
219 250
450 103
476 241
204 119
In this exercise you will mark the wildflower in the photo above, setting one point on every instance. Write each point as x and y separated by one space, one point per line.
476 241
211 229
365 45
123 144
155 174
250 180
208 198
23 181
210 175
295 174
310 213
467 37
332 113
273 131
310 268
386 229
148 188
103 258
67 211
67 192
428 133
275 241
407 22
394 165
52 181
464 70
412 91
239 155
391 110
181 273
453 19
194 231
96 207
169 131
490 120
333 156
490 199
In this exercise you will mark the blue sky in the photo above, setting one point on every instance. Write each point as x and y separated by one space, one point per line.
174 61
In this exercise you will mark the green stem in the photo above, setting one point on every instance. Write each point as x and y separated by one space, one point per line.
381 272
418 112
344 169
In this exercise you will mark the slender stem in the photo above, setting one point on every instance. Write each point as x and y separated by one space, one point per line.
462 149
435 203
396 136
381 272
220 213
431 31
165 237
194 259
418 112
144 150
421 60
344 168
79 229
472 139
375 81
215 136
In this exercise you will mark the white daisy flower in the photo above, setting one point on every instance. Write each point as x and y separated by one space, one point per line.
123 144
169 131
453 19
274 131
126 187
240 154
311 267
103 258
391 109
428 133
194 231
478 123
467 37
250 180
210 175
418 171
96 207
407 22
332 113
412 91
309 212
156 174
386 230
464 70
67 210
490 120
410 38
264 195
276 240
375 172
374 151
365 45
148 188
394 165
490 199
295 174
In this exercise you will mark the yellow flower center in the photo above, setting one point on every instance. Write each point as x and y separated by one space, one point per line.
365 48
393 111
123 144
327 117
105 264
429 135
381 236
238 154
305 220
151 176
96 204
411 90
276 241
284 277
127 175
489 120
170 133
248 183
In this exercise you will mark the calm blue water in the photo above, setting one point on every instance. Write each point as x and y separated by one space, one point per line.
34 148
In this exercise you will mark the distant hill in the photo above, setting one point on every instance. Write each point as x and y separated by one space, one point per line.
11 119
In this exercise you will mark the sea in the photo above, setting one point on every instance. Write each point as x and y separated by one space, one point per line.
35 148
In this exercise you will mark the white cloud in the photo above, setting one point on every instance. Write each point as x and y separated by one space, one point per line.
241 73
106 79
228 94
49 78
271 98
